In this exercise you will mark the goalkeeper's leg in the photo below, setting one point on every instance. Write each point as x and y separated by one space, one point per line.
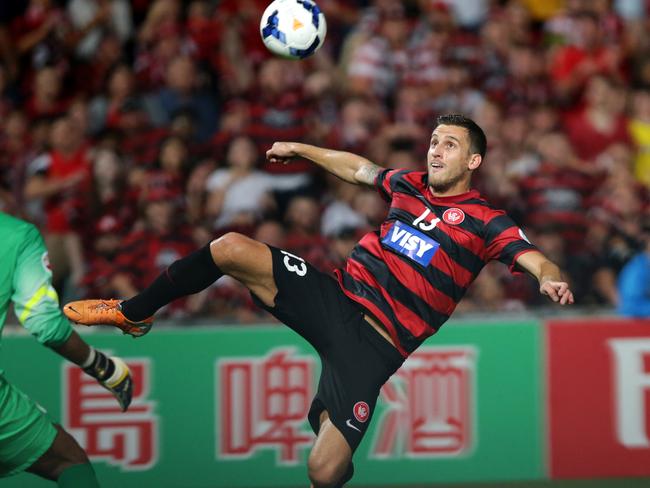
66 463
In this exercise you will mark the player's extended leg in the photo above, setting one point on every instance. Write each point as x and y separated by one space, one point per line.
236 255
329 464
65 462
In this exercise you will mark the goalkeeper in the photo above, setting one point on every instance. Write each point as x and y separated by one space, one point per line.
29 441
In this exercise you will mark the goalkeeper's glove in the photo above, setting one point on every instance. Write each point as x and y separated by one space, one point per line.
113 374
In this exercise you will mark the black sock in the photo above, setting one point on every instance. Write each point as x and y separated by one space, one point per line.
188 275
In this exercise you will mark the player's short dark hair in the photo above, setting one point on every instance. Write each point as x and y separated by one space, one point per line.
477 139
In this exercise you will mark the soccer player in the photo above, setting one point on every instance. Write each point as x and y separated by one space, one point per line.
400 284
29 441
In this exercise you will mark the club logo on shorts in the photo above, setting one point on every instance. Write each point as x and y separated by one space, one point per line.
453 216
361 411
412 243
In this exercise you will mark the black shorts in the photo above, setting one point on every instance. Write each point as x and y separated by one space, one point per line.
356 359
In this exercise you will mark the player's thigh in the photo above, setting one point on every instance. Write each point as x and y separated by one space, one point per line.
331 455
63 453
248 261
25 431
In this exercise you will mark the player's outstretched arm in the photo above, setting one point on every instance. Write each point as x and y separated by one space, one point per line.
111 372
347 166
548 275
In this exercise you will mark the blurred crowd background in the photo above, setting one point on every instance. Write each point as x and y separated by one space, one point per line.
132 132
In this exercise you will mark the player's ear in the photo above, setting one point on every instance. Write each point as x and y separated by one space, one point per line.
474 162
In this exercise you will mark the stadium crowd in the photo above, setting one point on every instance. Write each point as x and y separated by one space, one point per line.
132 132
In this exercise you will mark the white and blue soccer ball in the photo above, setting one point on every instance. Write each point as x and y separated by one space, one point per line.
293 29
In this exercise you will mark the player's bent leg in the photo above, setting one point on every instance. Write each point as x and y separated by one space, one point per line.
242 258
330 458
248 261
66 462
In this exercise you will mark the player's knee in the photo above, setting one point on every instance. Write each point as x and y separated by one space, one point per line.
228 250
324 473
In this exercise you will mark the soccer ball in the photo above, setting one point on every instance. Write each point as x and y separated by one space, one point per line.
293 29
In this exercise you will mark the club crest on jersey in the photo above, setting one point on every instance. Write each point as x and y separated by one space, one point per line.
361 411
413 244
453 216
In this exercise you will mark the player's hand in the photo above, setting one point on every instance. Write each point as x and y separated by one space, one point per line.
120 384
558 291
281 152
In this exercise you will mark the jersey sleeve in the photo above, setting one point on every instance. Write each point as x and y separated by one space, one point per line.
505 241
36 303
387 182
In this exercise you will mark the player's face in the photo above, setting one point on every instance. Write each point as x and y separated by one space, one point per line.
449 160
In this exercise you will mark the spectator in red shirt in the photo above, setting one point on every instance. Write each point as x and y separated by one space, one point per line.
601 122
573 65
61 178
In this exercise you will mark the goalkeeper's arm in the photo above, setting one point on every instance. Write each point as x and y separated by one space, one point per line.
111 372
347 166
36 305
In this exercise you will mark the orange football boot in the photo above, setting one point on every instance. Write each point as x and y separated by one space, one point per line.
105 312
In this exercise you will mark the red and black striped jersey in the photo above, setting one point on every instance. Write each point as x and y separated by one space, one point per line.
413 271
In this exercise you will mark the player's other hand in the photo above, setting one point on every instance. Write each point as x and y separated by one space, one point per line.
558 291
281 152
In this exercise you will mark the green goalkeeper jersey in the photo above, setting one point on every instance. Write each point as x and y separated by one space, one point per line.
26 280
